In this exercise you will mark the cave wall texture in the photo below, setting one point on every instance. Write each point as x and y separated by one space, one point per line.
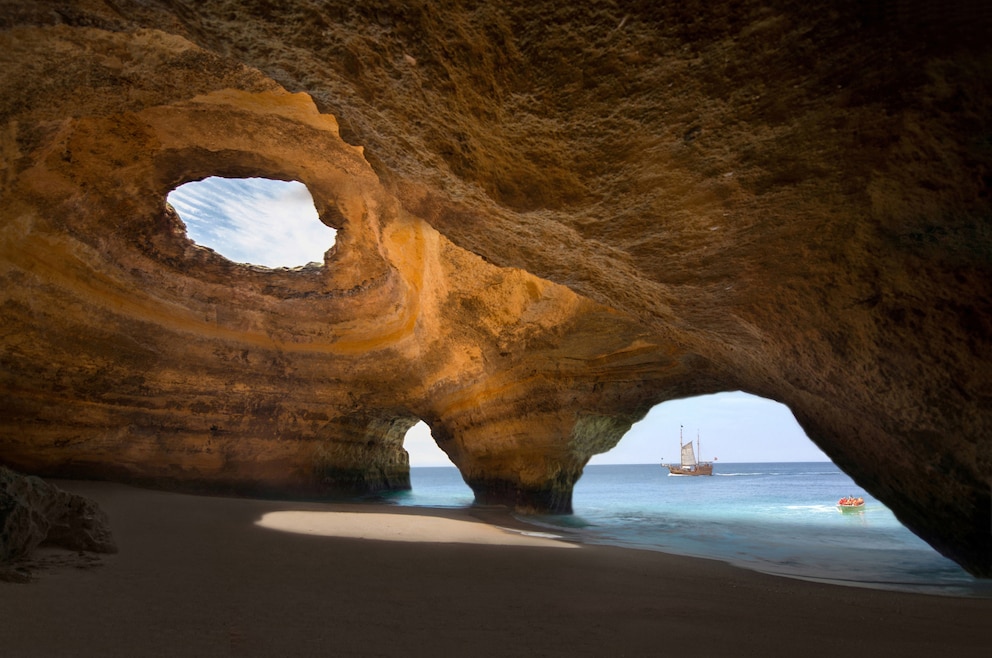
551 216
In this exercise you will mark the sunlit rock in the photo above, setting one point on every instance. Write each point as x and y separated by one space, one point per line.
550 217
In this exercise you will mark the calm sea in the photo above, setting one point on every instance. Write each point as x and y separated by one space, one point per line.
777 518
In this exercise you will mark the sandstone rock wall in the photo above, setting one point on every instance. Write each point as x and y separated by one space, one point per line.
134 353
550 218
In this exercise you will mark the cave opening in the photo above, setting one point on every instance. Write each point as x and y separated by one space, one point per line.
772 502
734 427
434 480
423 449
256 221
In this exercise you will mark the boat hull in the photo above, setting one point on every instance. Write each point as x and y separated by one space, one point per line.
849 509
699 469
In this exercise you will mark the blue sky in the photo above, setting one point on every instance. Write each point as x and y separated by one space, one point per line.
274 223
254 220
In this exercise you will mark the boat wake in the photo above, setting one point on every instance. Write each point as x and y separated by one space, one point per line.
812 508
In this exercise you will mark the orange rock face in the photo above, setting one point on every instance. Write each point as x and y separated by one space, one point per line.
549 219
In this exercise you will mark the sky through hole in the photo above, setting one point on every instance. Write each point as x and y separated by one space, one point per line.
253 220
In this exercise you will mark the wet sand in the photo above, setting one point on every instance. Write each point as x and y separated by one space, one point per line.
204 576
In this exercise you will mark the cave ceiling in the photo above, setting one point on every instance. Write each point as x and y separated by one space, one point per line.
550 218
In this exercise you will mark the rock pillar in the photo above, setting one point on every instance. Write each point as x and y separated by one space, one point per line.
529 463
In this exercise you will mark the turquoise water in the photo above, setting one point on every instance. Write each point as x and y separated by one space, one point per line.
777 518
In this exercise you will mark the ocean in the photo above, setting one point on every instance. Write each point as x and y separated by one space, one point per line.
777 518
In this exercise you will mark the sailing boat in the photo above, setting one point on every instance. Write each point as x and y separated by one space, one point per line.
689 465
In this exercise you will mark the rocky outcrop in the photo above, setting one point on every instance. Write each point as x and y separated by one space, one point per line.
35 513
550 218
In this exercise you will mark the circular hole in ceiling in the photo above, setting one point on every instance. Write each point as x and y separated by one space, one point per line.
258 221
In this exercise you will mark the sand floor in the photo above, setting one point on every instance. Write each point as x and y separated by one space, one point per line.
206 576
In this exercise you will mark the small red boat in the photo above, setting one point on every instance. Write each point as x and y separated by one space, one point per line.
851 504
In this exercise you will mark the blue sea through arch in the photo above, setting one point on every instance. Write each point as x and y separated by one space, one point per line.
778 518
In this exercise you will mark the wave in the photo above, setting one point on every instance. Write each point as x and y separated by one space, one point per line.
777 473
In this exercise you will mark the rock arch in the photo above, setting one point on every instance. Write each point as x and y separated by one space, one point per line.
769 225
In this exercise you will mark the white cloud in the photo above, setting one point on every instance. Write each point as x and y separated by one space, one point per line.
253 220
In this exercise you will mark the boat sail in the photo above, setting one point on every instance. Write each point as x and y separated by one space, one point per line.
689 464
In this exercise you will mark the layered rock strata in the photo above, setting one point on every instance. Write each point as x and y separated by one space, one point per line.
549 219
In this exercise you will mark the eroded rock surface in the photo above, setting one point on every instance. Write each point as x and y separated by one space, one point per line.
550 218
35 513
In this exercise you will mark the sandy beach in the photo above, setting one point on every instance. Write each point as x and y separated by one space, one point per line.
206 576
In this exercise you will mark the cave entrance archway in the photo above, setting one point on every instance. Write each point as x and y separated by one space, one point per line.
770 505
434 479
733 427
257 221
